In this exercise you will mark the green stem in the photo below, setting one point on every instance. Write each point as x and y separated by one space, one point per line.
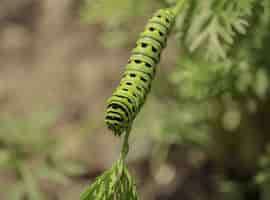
125 144
179 6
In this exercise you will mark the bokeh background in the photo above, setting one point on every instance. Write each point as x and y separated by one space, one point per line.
203 133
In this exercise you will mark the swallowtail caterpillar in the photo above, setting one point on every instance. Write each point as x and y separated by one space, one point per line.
130 95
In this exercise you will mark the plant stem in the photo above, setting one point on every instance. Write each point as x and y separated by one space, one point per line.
125 144
179 6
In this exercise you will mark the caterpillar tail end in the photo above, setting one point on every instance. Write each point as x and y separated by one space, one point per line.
115 128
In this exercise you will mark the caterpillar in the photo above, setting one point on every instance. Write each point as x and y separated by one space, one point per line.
130 95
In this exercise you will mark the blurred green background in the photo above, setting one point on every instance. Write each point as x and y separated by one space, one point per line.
202 134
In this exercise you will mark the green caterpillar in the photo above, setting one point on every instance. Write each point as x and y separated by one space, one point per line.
130 95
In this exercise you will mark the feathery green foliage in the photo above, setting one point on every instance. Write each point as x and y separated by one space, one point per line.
114 184
213 26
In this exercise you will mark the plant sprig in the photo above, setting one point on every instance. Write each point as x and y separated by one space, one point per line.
116 183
